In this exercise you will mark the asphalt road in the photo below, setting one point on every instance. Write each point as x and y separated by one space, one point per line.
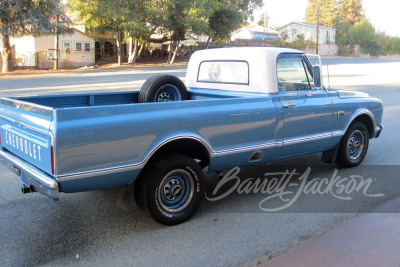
104 228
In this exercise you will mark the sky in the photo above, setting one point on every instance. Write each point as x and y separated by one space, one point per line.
383 14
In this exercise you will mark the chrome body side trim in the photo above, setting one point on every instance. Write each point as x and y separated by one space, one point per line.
307 139
105 171
24 125
246 148
131 167
338 133
20 104
213 153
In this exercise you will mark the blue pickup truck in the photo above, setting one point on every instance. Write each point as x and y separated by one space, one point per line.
238 106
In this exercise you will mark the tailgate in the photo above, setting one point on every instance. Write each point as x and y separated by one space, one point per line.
25 132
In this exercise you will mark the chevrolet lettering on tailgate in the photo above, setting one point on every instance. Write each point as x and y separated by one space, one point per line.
24 145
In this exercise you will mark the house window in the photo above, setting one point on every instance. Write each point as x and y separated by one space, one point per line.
66 46
83 46
78 46
87 47
294 32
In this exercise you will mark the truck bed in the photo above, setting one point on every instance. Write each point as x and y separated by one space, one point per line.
96 141
118 98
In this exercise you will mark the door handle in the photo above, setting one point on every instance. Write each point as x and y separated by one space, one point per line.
286 105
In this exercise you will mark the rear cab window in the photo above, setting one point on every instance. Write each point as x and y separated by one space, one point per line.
227 72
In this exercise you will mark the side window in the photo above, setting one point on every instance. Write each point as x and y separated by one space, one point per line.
292 74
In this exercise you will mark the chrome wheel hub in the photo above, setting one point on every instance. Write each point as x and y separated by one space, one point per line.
355 145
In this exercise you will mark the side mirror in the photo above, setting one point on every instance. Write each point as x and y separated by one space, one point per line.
317 77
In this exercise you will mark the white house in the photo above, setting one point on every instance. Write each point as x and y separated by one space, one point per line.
254 32
74 50
326 35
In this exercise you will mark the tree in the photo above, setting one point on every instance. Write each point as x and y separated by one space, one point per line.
245 6
145 18
224 21
264 19
327 12
350 10
105 16
187 16
363 33
394 45
342 33
36 17
229 16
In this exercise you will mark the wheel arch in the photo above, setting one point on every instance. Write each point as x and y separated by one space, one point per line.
365 117
191 146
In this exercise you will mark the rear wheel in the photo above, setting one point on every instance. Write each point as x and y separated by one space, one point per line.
173 189
354 145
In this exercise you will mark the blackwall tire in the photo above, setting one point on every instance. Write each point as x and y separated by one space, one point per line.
354 145
173 189
163 88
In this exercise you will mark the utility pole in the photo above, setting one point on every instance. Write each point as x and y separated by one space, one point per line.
317 28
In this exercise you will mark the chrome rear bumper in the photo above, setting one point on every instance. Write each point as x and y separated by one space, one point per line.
36 179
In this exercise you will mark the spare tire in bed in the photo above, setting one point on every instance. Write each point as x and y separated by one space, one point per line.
163 88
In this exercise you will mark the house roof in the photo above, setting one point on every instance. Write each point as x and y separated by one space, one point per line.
307 25
256 28
84 33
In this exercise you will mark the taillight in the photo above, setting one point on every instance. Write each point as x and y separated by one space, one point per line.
53 163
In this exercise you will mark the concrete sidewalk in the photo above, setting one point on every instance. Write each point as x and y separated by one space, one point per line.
370 240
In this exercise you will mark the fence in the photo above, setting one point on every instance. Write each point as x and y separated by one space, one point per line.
43 59
27 60
255 42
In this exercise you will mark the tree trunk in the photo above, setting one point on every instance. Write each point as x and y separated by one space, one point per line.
169 52
208 41
119 47
130 50
6 53
140 52
135 52
174 55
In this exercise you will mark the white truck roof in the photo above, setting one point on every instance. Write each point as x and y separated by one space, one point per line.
261 69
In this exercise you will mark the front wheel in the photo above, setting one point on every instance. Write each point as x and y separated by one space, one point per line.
354 145
173 189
